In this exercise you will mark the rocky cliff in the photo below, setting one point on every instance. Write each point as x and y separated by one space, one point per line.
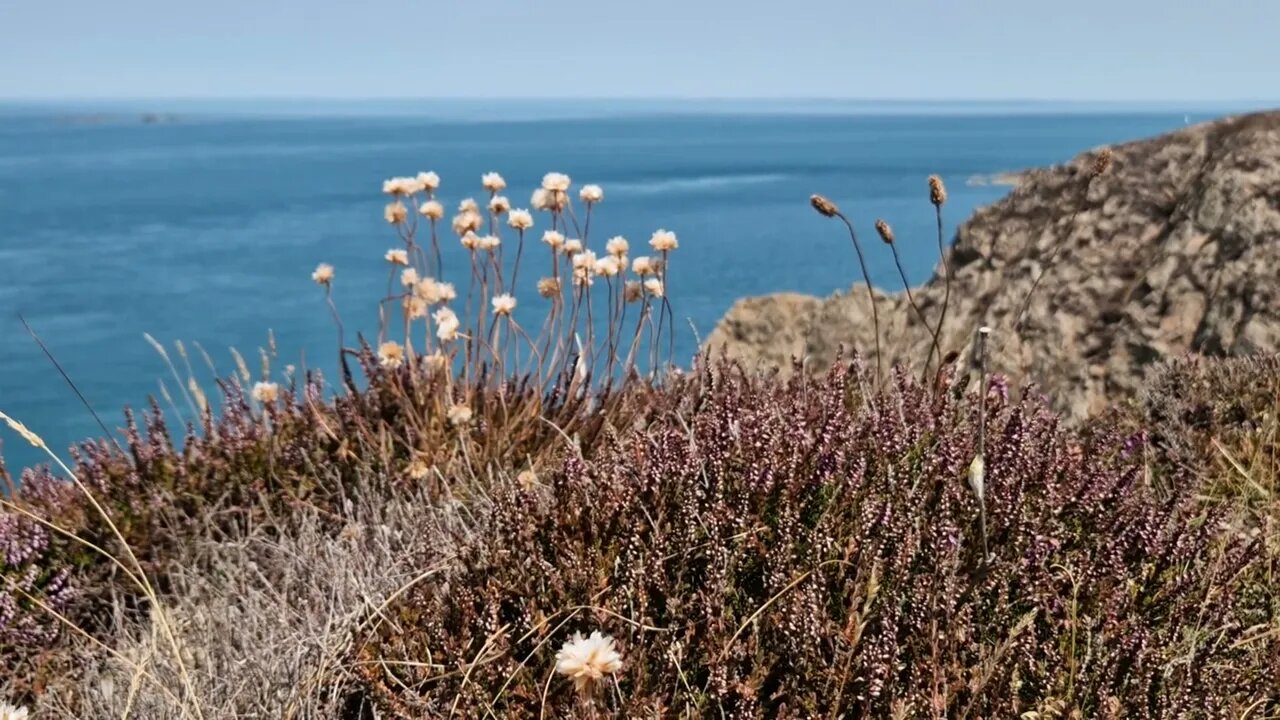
1175 248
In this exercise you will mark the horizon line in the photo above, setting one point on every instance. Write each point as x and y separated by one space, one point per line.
627 98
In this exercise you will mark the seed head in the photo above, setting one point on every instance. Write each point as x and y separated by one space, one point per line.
937 191
469 205
606 266
503 304
555 182
520 220
1101 163
549 287
554 239
265 393
395 212
633 291
428 181
431 210
499 205
642 266
572 246
493 182
446 324
886 232
654 286
12 712
397 257
391 354
323 274
591 194
415 307
459 415
467 221
617 246
664 241
587 660
409 277
825 207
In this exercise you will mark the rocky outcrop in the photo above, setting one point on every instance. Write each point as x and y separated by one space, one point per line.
1175 249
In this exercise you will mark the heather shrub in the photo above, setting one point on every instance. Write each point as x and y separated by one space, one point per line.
760 549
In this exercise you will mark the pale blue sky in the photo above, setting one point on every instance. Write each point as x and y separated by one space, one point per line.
1130 50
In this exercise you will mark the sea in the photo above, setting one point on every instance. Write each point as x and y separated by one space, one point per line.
201 221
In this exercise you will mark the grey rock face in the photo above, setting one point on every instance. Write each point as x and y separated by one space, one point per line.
1175 249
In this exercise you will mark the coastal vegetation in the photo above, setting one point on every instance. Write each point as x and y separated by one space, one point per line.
510 502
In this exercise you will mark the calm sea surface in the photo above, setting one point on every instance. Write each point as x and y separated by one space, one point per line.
204 226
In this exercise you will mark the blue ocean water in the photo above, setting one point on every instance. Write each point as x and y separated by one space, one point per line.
203 223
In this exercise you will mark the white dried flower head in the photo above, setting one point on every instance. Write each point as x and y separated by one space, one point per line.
459 414
415 307
582 277
554 239
606 266
435 362
429 181
12 712
323 274
418 469
977 476
503 304
391 354
490 242
587 660
654 286
427 289
527 480
493 182
467 221
556 182
591 194
265 393
447 291
397 257
469 205
409 277
520 220
499 205
585 259
470 241
395 212
572 246
446 324
642 265
432 210
399 186
617 246
549 287
540 200
664 241
633 291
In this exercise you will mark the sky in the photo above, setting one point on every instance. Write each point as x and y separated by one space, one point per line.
1109 50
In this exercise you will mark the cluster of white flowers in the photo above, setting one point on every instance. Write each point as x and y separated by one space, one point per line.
265 393
323 274
587 660
447 324
520 220
391 354
503 304
397 257
493 182
406 186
